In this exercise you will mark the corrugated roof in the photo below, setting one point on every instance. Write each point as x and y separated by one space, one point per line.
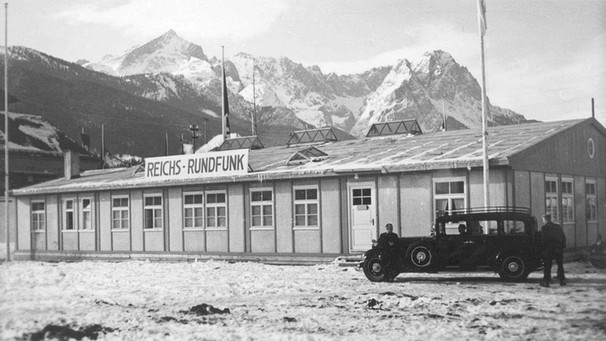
439 150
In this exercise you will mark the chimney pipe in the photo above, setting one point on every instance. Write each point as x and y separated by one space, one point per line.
592 109
71 164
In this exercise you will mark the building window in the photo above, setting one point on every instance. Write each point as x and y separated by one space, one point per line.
86 209
449 195
591 198
153 212
261 208
551 198
590 148
68 221
38 216
193 211
567 201
120 213
216 210
362 196
306 206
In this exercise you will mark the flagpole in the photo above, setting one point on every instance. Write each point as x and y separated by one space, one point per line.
482 27
254 113
223 93
6 170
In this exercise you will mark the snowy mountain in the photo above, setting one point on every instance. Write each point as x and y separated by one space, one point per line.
32 133
422 90
409 89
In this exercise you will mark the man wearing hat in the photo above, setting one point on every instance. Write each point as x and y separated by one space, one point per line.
554 242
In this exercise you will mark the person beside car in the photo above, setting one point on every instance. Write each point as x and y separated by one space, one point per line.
388 242
554 242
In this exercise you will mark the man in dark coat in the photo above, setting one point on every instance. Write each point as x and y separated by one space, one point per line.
388 241
389 238
554 242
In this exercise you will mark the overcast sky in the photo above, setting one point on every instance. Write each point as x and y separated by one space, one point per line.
545 59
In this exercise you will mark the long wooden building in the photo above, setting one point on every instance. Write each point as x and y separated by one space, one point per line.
316 198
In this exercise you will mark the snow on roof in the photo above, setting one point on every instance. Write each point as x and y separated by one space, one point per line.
398 153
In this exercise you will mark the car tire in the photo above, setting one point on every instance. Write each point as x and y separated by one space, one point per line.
514 269
421 256
374 269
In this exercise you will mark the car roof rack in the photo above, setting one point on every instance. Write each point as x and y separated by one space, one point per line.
489 209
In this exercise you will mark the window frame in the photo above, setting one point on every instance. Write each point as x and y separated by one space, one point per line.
262 204
66 214
82 227
193 207
306 202
153 209
552 196
39 213
449 196
121 209
588 196
215 206
568 210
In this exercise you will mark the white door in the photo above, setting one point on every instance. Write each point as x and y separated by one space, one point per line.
362 208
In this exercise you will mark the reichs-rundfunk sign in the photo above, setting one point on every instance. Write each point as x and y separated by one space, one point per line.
223 163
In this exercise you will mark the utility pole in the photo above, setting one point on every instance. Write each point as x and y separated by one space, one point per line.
6 170
254 113
194 134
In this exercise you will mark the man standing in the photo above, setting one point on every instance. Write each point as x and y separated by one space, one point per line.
387 241
554 242
389 238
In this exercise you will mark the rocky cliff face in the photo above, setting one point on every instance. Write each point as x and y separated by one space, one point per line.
422 89
425 91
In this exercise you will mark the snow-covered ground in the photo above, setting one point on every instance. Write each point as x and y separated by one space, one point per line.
215 300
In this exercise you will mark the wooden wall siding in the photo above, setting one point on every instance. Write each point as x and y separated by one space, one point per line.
154 240
262 241
416 204
194 241
601 184
537 195
86 240
344 207
387 203
23 224
580 225
105 221
522 189
69 240
217 241
39 240
236 218
331 216
566 153
121 240
136 220
307 241
284 217
52 223
498 189
175 219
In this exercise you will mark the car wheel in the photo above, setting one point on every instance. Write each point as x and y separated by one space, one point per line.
374 269
421 256
514 268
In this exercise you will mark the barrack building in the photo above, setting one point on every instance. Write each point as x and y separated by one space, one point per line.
316 198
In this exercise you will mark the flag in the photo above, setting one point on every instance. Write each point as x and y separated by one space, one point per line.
482 14
85 139
225 106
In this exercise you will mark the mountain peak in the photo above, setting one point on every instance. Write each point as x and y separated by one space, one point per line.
170 34
162 54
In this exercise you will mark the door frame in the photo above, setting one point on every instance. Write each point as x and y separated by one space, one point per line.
354 185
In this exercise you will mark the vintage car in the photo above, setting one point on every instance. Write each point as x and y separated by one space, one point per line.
504 239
